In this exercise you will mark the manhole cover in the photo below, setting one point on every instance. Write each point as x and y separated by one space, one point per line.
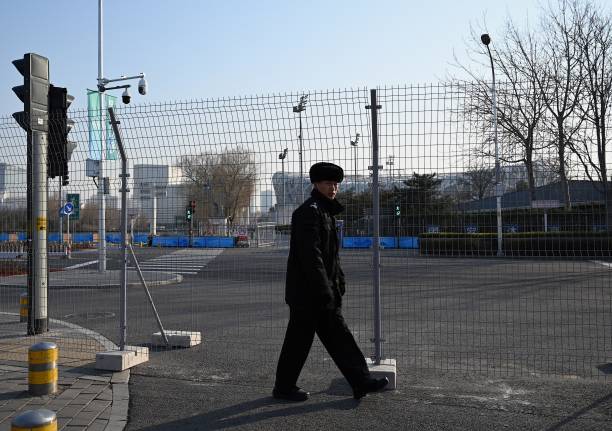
90 316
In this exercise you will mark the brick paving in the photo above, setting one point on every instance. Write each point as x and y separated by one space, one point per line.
87 399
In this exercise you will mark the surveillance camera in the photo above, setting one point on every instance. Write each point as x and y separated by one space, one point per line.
125 97
142 86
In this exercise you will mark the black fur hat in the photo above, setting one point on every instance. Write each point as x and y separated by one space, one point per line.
325 171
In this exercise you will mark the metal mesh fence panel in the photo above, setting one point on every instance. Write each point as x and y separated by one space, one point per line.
212 187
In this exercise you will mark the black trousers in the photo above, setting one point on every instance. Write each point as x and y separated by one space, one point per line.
333 332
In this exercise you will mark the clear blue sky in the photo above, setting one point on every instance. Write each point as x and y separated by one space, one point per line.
196 49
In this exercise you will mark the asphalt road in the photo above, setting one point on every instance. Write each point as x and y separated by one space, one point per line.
480 343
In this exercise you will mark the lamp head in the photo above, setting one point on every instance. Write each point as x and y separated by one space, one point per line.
485 38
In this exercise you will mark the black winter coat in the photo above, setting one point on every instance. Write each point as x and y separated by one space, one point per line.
314 276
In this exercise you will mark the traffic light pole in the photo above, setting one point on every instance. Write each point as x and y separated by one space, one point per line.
191 231
38 321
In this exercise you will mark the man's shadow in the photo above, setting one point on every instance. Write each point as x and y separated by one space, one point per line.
245 414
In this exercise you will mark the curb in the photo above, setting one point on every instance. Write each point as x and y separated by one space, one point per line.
178 278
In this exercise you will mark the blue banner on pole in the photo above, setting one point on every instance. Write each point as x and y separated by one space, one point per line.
95 118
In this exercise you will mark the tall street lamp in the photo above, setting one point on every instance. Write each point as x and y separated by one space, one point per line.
301 106
102 87
390 163
486 40
282 156
354 145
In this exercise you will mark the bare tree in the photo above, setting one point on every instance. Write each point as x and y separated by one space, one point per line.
223 182
520 104
558 72
477 183
595 40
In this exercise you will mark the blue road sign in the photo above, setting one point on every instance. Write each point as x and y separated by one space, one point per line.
68 208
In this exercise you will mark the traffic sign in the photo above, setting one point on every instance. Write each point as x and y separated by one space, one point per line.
74 199
68 208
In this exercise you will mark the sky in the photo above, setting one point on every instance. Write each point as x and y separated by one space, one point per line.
192 49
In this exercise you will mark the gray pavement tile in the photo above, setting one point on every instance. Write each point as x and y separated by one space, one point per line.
97 406
5 426
40 401
56 404
69 411
94 389
105 379
74 428
80 384
97 425
66 381
106 414
83 399
83 419
69 394
106 394
14 404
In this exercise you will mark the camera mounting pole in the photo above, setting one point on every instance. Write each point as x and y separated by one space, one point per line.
102 82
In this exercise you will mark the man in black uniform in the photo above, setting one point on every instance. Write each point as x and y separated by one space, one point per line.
314 288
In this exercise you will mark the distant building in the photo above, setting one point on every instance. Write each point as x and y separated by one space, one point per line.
266 201
580 192
159 194
13 192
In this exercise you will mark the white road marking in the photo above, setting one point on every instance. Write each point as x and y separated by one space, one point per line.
80 265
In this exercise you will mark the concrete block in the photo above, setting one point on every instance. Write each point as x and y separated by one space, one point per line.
177 338
119 360
387 368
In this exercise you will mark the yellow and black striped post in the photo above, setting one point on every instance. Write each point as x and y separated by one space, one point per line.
42 368
35 420
23 307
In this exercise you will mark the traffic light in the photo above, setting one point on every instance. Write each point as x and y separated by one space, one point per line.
33 92
398 211
190 210
60 149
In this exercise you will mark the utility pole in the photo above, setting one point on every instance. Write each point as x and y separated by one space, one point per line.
301 107
101 191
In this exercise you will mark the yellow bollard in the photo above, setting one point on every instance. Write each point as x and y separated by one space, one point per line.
23 307
35 420
42 368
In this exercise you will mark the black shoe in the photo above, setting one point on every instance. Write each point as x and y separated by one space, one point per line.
295 394
369 385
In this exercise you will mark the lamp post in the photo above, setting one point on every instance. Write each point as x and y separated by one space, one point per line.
390 163
486 40
282 156
354 145
102 82
301 106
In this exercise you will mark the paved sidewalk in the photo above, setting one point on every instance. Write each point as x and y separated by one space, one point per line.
80 278
87 399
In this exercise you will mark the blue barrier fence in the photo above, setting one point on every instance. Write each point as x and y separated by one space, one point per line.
217 241
385 242
198 241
